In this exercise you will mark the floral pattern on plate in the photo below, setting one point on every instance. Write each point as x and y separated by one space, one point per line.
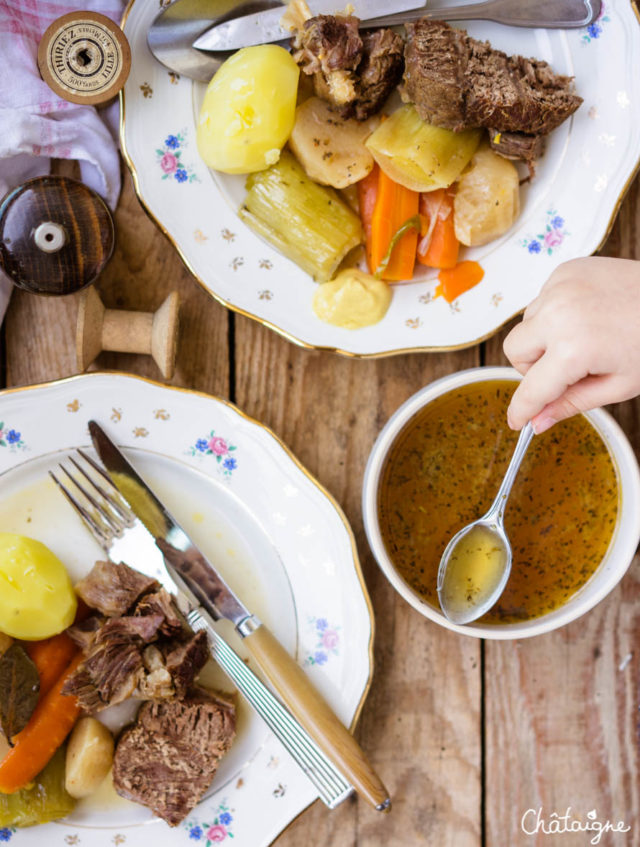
11 438
6 832
170 159
327 643
215 445
594 30
212 833
548 241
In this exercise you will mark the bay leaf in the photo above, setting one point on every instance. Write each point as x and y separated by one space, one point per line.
19 690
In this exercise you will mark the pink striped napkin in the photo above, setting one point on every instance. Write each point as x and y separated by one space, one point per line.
35 124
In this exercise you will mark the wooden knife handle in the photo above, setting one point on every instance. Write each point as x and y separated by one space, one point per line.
315 715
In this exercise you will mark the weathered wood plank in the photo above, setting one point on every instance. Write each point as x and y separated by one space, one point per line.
40 331
421 722
561 709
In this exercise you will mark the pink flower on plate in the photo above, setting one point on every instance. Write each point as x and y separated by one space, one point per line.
330 639
168 163
217 833
218 446
553 238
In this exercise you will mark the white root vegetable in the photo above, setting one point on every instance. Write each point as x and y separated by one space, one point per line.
487 201
331 149
89 757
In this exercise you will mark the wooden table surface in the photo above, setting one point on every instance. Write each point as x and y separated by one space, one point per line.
468 735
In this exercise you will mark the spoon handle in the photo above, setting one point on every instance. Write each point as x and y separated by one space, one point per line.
496 512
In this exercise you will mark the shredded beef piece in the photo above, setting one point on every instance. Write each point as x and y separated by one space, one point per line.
168 758
160 603
112 589
83 633
328 43
81 685
378 73
517 145
125 629
186 661
458 82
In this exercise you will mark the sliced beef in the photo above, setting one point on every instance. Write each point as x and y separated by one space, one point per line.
185 662
458 82
356 74
168 758
160 603
517 145
113 589
378 73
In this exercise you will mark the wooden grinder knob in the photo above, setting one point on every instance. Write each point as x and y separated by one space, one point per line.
56 235
151 333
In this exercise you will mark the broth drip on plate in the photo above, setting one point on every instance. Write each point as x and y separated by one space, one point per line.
443 471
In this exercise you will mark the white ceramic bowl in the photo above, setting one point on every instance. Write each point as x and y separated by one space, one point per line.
610 571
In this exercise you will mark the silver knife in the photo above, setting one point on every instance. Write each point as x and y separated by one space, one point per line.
264 27
196 575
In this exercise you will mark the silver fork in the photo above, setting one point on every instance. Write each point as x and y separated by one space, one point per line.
123 538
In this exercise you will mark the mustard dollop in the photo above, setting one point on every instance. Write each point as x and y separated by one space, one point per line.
354 299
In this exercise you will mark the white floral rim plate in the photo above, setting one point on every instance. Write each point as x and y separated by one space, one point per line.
276 535
567 210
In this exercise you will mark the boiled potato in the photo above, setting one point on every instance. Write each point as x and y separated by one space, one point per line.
330 148
420 156
248 110
36 596
487 201
89 757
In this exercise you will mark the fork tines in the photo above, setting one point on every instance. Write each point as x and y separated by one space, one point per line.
102 508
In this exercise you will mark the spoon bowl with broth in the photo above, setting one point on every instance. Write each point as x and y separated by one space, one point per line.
436 467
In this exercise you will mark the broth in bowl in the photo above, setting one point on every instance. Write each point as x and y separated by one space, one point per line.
443 470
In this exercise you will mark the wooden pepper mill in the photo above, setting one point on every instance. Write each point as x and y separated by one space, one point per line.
152 333
56 236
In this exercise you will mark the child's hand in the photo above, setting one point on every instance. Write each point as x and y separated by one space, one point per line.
579 342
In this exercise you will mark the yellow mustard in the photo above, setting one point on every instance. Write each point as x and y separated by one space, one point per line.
354 299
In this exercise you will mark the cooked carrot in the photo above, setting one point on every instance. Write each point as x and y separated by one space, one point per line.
50 657
367 194
455 281
50 723
395 205
442 246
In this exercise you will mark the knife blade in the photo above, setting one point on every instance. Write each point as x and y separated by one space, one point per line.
264 27
196 575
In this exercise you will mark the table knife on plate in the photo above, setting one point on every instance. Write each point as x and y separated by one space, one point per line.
199 578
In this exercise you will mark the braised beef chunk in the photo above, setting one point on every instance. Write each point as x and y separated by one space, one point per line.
356 74
186 661
160 603
517 145
113 589
458 82
83 632
81 685
168 758
378 73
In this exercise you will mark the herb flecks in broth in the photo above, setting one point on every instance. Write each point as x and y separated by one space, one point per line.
443 471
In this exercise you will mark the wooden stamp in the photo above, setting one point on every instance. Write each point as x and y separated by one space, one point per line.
151 333
84 57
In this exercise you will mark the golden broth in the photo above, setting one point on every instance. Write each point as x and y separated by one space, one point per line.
443 471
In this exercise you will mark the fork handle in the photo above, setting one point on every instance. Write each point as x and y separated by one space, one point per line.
315 715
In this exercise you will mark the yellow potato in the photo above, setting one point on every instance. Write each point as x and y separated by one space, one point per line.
37 599
89 757
249 110
487 201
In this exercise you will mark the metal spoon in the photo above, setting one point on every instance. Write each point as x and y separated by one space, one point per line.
476 563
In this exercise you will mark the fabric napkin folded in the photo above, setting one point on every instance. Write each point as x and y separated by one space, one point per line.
35 124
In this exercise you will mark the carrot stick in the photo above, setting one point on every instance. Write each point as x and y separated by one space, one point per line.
367 194
455 281
51 722
394 206
50 657
442 248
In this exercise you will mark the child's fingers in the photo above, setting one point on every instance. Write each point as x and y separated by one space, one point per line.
545 382
588 393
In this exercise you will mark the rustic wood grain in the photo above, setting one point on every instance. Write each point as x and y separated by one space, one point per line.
561 709
421 721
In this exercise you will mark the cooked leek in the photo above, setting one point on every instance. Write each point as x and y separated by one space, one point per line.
309 223
420 156
46 800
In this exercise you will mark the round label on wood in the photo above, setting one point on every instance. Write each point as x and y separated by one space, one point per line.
84 57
